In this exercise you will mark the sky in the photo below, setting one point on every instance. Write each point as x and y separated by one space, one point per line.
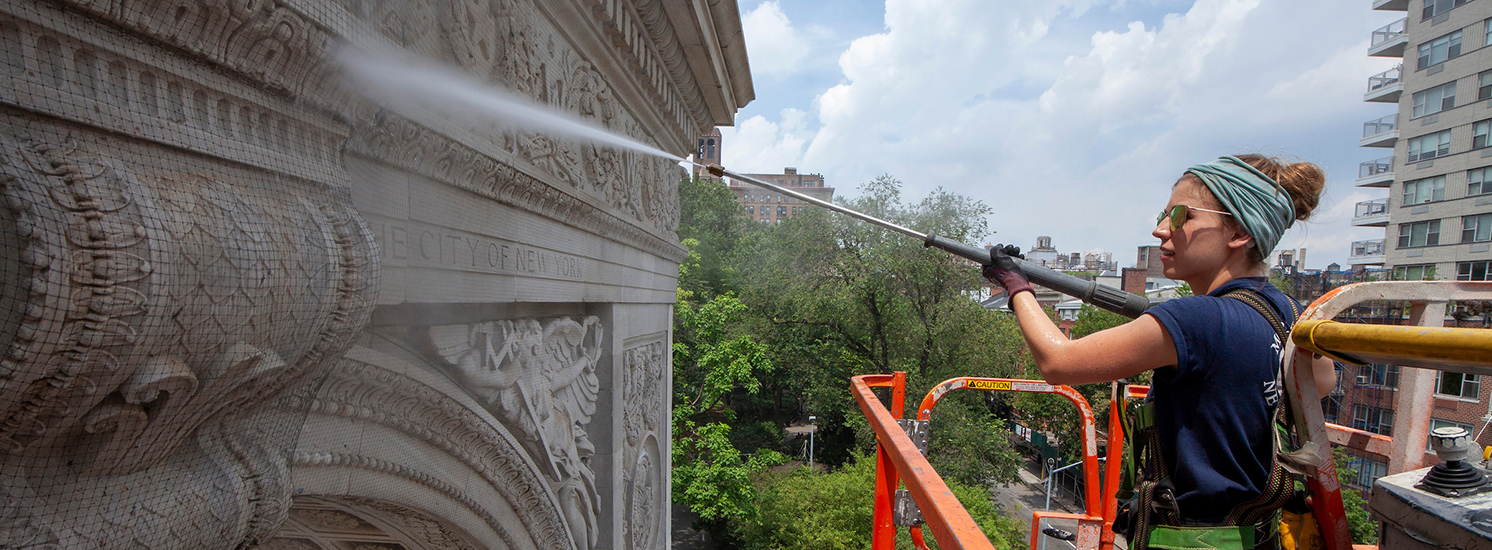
1070 118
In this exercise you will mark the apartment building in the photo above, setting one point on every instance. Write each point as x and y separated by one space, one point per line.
768 206
1437 212
758 203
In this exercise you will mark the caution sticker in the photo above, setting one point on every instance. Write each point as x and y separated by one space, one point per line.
997 385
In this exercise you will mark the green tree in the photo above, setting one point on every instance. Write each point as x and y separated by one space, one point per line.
1054 414
802 509
1364 530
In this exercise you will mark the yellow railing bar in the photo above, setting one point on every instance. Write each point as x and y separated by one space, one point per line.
1467 350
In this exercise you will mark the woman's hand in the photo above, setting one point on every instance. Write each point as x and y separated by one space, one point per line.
1003 271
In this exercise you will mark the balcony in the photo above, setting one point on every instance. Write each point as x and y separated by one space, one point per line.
1376 173
1380 133
1390 40
1372 213
1391 5
1368 252
1385 87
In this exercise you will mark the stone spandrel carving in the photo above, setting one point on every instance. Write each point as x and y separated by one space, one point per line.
155 309
644 416
539 378
644 390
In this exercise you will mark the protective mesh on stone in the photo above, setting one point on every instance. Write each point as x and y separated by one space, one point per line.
178 266
183 275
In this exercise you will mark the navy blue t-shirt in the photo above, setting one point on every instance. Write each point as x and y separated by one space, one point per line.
1214 407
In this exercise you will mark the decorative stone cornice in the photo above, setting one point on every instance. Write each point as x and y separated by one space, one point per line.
404 144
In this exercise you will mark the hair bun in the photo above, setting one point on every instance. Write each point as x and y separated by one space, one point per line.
1304 181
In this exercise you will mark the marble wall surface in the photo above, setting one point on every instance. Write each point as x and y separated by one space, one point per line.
242 307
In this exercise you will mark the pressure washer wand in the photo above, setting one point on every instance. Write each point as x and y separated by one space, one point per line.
1102 296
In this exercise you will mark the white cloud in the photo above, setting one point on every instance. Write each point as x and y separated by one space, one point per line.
772 44
1081 141
756 145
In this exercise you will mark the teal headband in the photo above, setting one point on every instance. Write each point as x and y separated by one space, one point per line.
1257 201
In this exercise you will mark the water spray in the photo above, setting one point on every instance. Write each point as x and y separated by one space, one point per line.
407 84
1101 296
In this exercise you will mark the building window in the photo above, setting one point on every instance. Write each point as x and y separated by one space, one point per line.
1435 99
1373 419
1437 51
1368 470
1458 385
1436 423
751 211
1474 271
1425 190
1479 134
1479 181
1431 146
710 149
1331 406
1476 229
782 211
1484 82
1414 235
1488 26
1437 7
1385 376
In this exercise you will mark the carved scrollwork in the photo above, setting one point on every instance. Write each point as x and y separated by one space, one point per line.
156 303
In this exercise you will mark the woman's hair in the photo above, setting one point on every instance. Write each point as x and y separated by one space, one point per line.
1302 180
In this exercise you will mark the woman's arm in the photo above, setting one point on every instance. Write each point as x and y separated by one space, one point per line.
1325 372
1126 350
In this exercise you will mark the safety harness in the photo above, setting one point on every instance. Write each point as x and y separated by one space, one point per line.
1150 518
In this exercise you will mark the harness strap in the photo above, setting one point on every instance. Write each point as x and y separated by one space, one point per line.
1280 486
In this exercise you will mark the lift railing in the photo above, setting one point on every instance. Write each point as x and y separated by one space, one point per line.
1427 345
900 458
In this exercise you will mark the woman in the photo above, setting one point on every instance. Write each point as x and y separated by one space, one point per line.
1215 359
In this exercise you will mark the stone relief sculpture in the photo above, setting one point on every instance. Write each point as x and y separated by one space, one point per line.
182 268
643 417
150 307
539 377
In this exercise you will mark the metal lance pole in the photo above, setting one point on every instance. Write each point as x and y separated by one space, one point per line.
1102 296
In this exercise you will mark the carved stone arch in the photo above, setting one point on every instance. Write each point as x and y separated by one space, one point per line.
422 443
322 523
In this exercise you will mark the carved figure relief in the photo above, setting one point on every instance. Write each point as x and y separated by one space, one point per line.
539 378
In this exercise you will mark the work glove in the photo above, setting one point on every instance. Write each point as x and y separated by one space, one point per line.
1003 271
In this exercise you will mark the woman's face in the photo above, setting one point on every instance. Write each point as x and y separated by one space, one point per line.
1201 246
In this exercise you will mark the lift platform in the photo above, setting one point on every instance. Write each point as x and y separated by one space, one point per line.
1414 509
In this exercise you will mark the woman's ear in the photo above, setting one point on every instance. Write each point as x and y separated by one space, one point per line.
1240 238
